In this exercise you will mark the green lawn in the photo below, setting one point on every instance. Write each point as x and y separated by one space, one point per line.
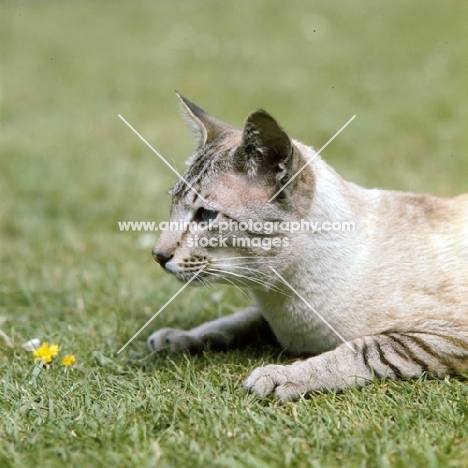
70 170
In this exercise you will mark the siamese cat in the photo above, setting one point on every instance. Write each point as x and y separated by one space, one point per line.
387 299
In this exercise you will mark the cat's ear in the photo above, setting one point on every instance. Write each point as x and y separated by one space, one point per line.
205 127
266 149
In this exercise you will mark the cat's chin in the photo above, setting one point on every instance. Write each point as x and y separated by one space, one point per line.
193 279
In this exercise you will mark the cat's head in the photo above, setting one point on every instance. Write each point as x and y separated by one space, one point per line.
225 224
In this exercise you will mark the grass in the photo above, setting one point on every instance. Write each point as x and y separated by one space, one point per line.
70 169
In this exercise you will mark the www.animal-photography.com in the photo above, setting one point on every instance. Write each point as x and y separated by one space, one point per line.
233 234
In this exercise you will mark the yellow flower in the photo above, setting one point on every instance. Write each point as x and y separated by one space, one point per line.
46 353
68 360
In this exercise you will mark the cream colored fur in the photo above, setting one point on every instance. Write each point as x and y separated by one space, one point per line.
396 288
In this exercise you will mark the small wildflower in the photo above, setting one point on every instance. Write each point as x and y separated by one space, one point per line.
68 360
46 353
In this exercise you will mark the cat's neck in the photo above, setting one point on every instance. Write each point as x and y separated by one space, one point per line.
322 258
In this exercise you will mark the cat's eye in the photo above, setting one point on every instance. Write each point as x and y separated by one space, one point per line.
207 216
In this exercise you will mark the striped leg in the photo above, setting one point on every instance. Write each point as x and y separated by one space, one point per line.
437 347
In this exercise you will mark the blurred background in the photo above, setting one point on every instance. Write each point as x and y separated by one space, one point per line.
70 169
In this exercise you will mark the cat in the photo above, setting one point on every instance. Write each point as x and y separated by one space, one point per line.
388 299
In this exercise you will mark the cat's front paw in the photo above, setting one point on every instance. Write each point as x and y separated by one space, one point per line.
286 382
172 339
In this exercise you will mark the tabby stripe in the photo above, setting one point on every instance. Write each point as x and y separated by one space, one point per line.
399 352
410 353
365 356
451 339
427 349
395 369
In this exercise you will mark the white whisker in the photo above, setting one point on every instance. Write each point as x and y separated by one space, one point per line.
229 281
257 280
259 259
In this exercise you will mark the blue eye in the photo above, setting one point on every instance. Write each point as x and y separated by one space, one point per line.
208 216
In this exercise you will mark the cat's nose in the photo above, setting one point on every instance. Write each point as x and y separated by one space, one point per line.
161 257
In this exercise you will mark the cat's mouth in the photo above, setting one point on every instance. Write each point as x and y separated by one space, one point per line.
195 276
200 272
185 271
